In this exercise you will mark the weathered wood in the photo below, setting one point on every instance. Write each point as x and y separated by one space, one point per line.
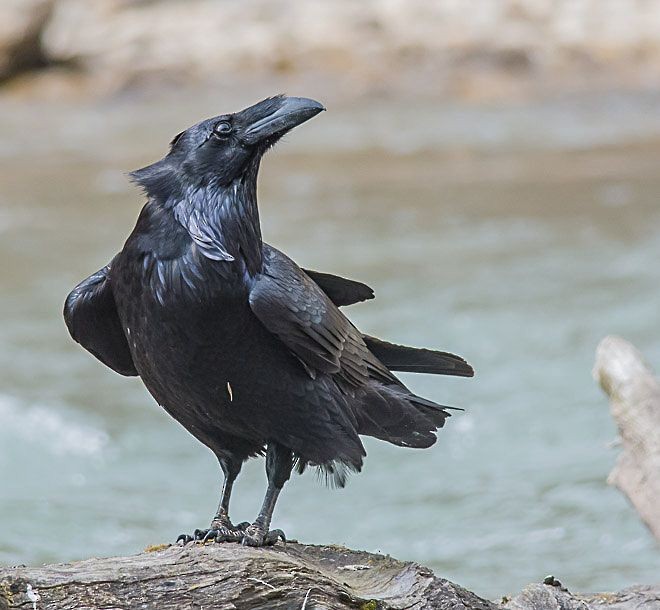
634 395
284 577
233 577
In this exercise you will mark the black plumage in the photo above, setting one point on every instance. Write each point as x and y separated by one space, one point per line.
245 349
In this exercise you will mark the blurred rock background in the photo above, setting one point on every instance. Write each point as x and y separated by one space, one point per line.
484 49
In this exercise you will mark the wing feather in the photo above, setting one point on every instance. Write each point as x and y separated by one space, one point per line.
341 290
294 308
91 316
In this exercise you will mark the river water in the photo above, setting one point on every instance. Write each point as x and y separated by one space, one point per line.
517 237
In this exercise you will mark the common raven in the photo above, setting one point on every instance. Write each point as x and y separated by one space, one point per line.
245 349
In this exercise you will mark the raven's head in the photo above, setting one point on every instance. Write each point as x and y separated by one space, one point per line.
221 149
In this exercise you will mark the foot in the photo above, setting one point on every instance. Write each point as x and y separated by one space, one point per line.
221 530
255 535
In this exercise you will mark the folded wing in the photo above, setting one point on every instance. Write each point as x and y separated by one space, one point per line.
295 309
91 316
342 291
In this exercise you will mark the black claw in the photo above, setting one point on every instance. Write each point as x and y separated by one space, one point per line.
199 534
274 535
231 533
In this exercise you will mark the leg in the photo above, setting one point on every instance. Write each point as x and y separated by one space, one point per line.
230 467
279 462
221 528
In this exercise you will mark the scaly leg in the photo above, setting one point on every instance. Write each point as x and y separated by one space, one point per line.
279 462
222 529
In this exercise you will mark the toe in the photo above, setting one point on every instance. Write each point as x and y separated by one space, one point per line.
226 534
273 536
251 540
199 534
253 536
210 534
217 534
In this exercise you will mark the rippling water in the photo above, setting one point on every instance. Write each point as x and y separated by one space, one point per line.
503 235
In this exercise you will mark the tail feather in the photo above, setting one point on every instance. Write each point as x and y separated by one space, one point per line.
417 360
392 414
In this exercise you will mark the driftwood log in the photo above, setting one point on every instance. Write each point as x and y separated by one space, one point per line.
233 577
284 577
634 394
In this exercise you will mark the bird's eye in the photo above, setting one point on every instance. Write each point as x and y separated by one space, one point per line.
222 129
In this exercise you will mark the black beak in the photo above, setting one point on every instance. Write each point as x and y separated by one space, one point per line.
269 120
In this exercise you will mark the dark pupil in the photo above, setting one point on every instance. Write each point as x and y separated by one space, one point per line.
223 128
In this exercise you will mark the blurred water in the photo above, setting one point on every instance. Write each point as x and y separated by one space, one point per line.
520 257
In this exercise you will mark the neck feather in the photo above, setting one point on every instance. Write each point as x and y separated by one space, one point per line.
224 221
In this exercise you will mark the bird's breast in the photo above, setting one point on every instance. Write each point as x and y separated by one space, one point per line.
180 303
189 328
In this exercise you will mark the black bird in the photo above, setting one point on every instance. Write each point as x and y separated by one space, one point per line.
245 349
